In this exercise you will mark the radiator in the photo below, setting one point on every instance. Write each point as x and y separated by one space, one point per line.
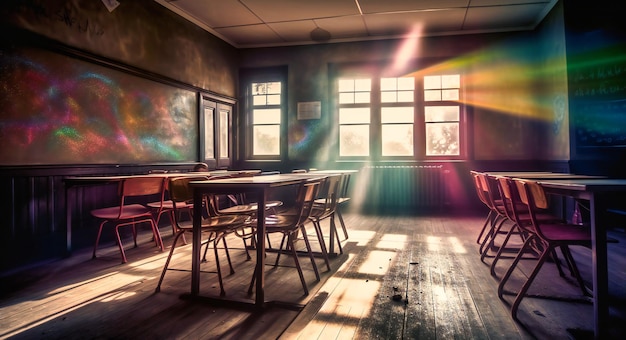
405 188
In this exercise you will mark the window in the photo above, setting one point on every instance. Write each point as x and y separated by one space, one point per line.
266 118
354 117
397 115
442 114
387 118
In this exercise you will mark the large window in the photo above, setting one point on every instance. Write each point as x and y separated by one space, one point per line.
266 118
388 118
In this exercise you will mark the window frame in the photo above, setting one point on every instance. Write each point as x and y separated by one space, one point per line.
375 72
262 75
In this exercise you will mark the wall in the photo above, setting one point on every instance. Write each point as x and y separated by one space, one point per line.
140 45
596 53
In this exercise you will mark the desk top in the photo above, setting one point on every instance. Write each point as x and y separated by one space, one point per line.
588 184
253 182
539 175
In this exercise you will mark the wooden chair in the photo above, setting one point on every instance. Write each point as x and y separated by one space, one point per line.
131 213
325 207
289 223
342 199
550 235
517 211
215 227
492 216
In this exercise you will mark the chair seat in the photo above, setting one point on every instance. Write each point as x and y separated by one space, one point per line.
249 208
217 223
565 232
169 205
130 211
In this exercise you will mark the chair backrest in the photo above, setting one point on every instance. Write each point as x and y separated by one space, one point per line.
179 188
480 192
139 186
514 206
330 192
305 198
344 185
532 194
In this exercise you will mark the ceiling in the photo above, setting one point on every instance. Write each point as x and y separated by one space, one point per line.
260 23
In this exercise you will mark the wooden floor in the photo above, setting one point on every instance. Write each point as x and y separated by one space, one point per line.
400 277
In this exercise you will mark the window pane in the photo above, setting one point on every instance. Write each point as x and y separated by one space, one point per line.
362 97
259 100
266 116
432 82
450 94
388 84
273 99
397 140
432 95
346 98
396 115
362 84
259 89
406 83
405 96
354 140
266 140
442 139
209 131
224 134
273 88
346 85
357 115
451 81
388 97
441 113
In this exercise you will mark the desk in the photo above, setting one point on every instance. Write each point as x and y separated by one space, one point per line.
596 191
256 185
78 181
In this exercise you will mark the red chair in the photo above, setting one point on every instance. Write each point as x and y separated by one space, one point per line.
549 236
131 213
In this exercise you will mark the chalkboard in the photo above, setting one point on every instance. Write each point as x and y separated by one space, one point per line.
58 109
597 80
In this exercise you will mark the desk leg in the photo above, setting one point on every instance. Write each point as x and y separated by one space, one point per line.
600 266
260 250
196 243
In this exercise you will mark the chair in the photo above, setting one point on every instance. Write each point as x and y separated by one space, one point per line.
325 207
343 199
550 235
289 223
166 206
517 212
240 205
494 201
492 216
127 213
217 227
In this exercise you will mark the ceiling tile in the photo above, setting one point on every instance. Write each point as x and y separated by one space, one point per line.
344 27
402 23
289 10
212 12
250 35
499 17
378 6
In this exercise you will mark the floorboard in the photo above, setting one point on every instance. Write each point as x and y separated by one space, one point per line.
400 277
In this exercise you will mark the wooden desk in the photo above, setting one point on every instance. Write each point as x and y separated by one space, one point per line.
72 182
258 186
597 192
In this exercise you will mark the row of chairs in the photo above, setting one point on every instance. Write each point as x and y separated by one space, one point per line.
316 200
520 207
